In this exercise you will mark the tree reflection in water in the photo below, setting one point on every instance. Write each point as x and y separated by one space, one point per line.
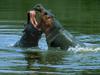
47 61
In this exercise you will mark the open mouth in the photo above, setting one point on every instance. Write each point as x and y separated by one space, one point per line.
34 18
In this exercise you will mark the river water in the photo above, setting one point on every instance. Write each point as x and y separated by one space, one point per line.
42 60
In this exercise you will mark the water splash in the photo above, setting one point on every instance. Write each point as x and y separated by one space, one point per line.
83 49
42 44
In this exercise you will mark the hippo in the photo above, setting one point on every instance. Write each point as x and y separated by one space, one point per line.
31 34
56 35
29 38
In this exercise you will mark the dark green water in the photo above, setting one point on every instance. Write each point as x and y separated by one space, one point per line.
80 17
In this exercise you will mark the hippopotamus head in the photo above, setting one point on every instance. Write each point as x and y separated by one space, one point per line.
47 18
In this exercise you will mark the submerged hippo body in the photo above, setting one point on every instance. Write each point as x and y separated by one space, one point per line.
59 37
56 35
29 38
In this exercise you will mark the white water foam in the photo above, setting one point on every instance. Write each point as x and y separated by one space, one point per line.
83 49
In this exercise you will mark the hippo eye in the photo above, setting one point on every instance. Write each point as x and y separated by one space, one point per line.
45 13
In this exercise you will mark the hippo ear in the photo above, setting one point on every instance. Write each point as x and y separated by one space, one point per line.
38 7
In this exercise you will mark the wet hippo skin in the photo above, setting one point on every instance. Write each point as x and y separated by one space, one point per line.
29 38
56 35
